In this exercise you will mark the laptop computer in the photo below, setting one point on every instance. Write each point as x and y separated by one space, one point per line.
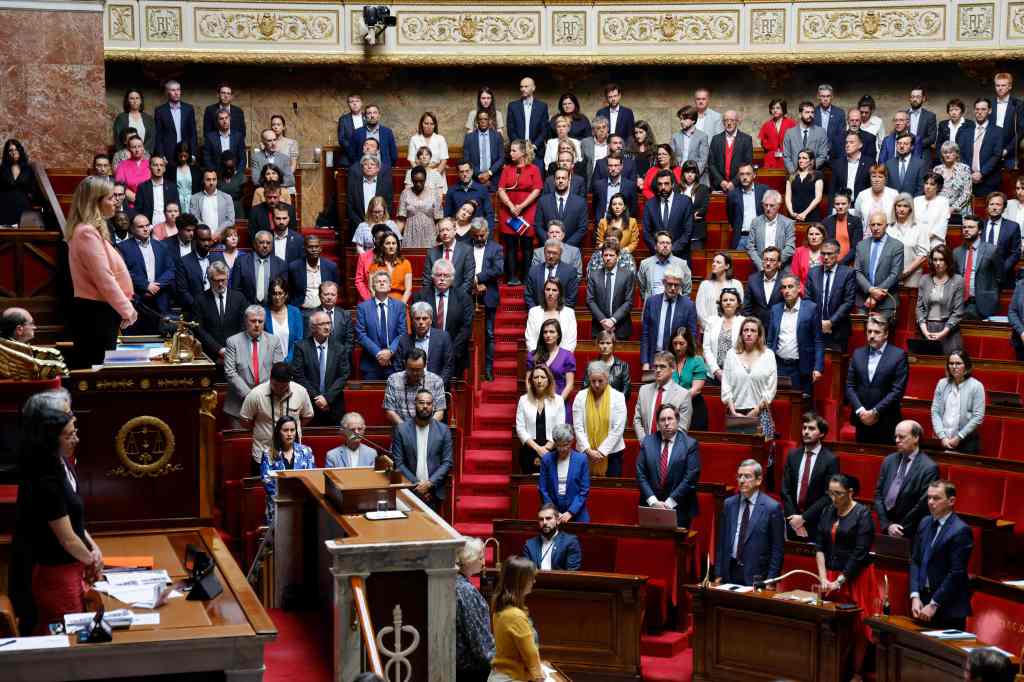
652 517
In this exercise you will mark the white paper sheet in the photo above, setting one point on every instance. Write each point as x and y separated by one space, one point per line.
949 634
28 643
730 587
146 619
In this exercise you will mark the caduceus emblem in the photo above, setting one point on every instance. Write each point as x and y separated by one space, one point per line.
398 668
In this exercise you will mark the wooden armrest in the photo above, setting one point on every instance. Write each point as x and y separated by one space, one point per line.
8 622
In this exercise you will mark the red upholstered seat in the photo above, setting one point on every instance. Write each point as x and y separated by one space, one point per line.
978 491
647 557
997 621
1011 443
865 468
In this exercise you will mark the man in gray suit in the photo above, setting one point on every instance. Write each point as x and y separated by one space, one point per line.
661 391
709 121
570 254
610 295
691 144
351 453
981 281
879 265
805 135
771 229
596 147
211 206
239 352
426 467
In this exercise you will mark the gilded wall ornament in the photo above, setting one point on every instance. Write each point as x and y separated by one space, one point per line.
144 445
569 29
227 25
976 22
510 28
163 24
674 27
915 23
121 22
768 26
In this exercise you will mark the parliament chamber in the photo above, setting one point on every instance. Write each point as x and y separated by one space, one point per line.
291 467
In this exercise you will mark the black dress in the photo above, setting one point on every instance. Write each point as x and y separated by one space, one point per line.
528 457
16 194
802 193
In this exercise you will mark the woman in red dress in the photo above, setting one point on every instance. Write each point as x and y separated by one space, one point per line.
772 132
518 189
663 160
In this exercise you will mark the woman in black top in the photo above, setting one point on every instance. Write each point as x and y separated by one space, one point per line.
845 566
579 127
618 370
17 183
51 516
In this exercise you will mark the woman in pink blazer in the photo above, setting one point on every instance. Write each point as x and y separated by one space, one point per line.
103 287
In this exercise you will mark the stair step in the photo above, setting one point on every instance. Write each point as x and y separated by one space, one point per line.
665 644
483 484
474 529
486 462
678 668
482 439
482 507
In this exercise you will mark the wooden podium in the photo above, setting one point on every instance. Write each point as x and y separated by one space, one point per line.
754 636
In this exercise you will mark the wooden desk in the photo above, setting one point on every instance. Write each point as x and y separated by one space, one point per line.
752 636
226 634
905 655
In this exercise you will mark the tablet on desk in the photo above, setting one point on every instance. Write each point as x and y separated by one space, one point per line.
652 517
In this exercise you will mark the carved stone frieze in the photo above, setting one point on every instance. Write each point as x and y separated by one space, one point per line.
163 24
228 25
632 28
481 28
121 22
976 22
873 23
768 26
569 29
1015 20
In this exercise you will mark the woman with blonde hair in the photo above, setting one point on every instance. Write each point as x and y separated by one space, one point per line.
516 654
519 188
750 377
474 643
103 287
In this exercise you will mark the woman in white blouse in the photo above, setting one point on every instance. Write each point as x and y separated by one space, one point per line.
710 290
538 412
562 126
877 197
428 136
958 407
286 145
435 180
721 332
750 377
869 122
931 211
552 307
912 235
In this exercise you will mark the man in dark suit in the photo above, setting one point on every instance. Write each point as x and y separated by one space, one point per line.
288 244
220 312
982 150
321 365
668 468
348 123
488 253
843 222
373 128
152 273
794 334
609 184
1016 314
552 267
191 278
262 216
743 204
246 274
616 145
468 189
763 290
939 590
380 323
829 116
729 150
175 122
620 118
553 549
455 252
153 195
868 142
663 314
305 276
427 471
751 532
485 149
224 138
900 127
577 181
670 211
341 319
363 186
833 288
905 170
563 206
901 494
527 118
453 311
851 171
805 479
610 295
922 123
979 264
879 265
180 244
236 117
435 342
875 384
1005 236
1006 114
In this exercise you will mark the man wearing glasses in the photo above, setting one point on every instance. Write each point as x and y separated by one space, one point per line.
663 314
752 532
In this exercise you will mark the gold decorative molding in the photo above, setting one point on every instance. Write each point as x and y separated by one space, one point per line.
121 22
976 22
875 24
768 26
633 28
569 29
441 28
227 25
145 446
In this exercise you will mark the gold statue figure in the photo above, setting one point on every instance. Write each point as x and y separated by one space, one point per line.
22 362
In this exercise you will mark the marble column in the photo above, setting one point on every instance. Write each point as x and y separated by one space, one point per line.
348 653
441 640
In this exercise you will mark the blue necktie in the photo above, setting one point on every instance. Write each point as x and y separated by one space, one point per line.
667 331
322 361
876 247
485 153
383 324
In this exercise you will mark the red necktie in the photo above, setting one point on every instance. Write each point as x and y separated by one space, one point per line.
439 318
256 361
448 255
728 157
967 273
654 417
663 465
805 479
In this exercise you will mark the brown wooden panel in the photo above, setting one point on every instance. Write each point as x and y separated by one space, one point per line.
750 643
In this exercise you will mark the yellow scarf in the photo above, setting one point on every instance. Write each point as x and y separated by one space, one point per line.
598 417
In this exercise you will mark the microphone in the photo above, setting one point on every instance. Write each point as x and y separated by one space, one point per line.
762 584
384 453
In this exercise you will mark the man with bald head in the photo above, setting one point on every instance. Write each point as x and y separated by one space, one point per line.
901 494
17 324
729 150
527 117
879 264
321 365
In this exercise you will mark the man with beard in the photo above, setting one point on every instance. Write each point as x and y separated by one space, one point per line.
553 550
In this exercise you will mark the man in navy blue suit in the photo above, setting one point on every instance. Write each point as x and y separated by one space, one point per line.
833 288
380 323
906 170
751 532
763 290
875 384
851 170
939 591
620 118
489 266
305 276
223 138
1005 236
612 182
553 549
246 275
663 314
1006 114
794 334
373 128
175 122
152 273
347 125
551 268
616 145
668 468
527 118
829 117
466 189
236 117
743 204
192 279
153 195
564 206
983 149
485 150
437 343
670 211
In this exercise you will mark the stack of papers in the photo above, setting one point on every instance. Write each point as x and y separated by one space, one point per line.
28 643
948 634
730 587
141 589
